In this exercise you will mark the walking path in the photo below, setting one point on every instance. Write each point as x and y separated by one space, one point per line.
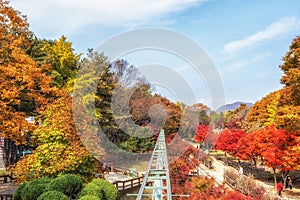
217 172
114 177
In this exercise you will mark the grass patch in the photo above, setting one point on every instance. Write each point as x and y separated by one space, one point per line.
140 166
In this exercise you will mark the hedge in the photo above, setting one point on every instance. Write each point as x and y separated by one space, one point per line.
20 190
110 192
90 197
91 189
69 184
53 195
35 188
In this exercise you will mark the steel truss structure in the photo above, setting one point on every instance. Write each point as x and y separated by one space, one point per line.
157 175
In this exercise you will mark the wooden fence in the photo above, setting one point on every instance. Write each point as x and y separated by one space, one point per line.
129 184
233 184
7 187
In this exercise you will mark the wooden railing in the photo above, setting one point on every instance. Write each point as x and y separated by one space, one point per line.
7 178
129 184
6 197
237 185
129 172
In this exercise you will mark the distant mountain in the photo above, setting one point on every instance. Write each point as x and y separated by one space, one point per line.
232 106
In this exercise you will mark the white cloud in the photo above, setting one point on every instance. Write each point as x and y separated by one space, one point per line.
65 15
273 30
240 64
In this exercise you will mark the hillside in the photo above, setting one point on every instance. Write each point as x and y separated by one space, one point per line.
232 106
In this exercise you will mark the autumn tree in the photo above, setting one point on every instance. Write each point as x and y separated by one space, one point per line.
236 119
181 168
205 188
59 149
140 104
249 147
189 122
278 153
264 112
277 148
291 70
56 57
228 140
202 111
288 114
201 133
217 120
192 117
206 137
25 88
281 107
173 113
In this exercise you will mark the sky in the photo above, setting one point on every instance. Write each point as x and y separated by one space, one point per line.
245 40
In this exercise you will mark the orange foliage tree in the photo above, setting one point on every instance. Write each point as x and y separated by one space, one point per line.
25 88
281 107
276 147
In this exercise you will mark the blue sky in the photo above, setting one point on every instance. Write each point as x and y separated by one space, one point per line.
245 39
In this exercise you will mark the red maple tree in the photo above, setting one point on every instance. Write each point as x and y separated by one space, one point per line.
228 140
201 133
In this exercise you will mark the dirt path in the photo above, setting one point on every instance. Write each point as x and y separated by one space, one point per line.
218 174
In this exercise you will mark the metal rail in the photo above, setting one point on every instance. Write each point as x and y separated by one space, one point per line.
157 173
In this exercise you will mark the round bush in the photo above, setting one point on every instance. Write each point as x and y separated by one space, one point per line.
91 189
20 190
53 195
110 192
69 184
89 197
35 188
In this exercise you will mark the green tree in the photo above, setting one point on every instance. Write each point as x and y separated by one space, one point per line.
217 120
139 139
57 58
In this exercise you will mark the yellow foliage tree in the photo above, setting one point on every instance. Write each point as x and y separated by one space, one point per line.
59 149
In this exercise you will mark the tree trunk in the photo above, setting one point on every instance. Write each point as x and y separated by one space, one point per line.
262 161
284 175
255 162
10 152
274 175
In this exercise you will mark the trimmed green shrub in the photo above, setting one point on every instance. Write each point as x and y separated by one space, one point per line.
110 192
20 190
90 197
69 184
91 189
53 195
35 188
